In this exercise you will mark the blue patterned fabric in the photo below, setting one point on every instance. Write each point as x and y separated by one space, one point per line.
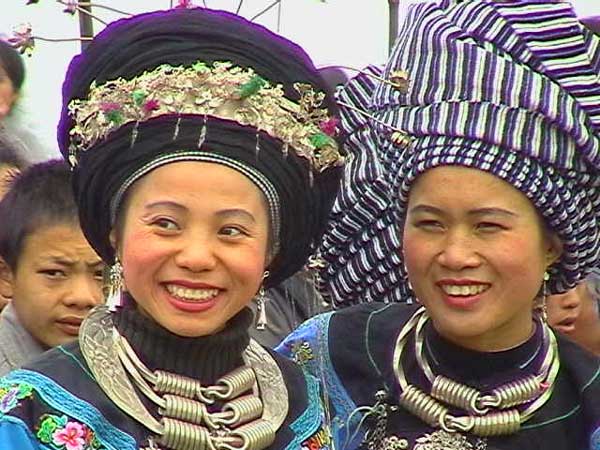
56 399
15 435
313 337
511 88
62 400
311 420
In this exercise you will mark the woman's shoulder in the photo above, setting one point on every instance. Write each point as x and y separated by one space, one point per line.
349 322
378 318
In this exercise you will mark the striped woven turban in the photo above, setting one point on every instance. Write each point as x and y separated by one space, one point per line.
511 88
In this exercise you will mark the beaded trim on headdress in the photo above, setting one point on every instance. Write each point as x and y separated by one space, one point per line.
219 90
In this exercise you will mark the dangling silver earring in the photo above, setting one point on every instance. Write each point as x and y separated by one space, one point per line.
115 285
261 310
542 304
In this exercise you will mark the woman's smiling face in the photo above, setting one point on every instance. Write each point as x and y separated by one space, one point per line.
193 245
476 251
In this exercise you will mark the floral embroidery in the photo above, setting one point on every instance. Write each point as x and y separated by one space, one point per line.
60 433
10 394
302 352
321 440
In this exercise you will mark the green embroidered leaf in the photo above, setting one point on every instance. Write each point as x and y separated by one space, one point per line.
25 390
252 87
199 66
115 116
46 428
139 97
320 140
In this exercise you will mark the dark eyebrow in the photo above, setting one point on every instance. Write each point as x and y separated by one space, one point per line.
66 262
95 263
425 209
225 213
474 212
492 211
164 204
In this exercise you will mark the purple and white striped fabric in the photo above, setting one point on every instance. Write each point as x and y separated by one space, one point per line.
512 88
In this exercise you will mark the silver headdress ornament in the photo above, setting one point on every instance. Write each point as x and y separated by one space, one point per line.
220 90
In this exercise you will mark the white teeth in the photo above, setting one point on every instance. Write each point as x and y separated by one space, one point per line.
191 294
464 290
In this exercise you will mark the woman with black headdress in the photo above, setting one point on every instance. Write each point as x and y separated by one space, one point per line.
204 166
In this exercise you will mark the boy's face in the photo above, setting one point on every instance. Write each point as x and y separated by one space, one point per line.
57 280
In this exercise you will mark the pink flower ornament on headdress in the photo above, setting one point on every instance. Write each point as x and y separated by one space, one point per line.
70 6
185 4
22 39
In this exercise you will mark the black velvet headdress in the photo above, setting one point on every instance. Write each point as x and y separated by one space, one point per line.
128 48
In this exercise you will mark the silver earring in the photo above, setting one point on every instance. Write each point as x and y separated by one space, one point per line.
542 304
261 310
115 285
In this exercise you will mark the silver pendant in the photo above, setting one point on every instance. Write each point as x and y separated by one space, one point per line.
442 440
394 443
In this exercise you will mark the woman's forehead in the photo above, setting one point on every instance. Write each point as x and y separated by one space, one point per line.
465 186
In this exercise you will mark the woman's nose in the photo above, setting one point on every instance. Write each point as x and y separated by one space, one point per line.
197 255
457 252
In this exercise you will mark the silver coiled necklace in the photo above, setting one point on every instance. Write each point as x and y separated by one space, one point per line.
487 414
223 416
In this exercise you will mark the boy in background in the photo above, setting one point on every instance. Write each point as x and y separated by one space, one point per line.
48 269
576 313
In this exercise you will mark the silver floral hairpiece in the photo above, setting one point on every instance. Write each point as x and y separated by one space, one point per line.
220 90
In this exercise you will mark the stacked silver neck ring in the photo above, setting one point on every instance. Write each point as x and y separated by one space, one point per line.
487 414
197 417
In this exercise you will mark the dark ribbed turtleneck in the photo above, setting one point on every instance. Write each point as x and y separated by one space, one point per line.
204 358
483 369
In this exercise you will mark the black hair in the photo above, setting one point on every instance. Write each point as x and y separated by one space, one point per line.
12 65
41 196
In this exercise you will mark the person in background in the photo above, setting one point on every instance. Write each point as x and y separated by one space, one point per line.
12 76
576 313
47 268
11 164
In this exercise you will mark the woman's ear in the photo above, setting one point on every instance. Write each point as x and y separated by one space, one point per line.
112 237
554 249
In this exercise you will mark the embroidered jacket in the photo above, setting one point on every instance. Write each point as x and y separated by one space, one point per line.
351 352
55 404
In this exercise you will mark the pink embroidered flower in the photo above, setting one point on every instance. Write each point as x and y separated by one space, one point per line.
109 107
330 126
151 105
72 436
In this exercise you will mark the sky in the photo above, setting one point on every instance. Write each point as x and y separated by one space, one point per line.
334 32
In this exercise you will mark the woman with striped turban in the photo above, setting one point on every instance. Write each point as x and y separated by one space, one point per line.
482 197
